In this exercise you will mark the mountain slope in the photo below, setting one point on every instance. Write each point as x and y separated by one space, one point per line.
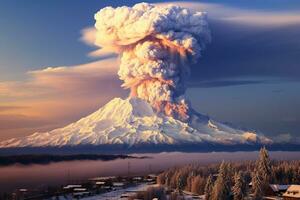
132 121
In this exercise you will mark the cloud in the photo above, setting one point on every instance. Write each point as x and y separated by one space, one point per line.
245 42
223 83
286 138
9 108
88 36
75 78
56 96
243 16
78 78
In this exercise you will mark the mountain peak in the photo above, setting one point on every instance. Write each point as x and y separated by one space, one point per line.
121 110
132 121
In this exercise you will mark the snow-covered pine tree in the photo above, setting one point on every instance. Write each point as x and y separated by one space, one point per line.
208 188
239 188
222 186
180 184
262 174
257 185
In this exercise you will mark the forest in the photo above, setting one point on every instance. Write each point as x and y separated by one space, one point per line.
238 180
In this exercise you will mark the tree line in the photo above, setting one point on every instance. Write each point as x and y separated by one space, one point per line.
231 180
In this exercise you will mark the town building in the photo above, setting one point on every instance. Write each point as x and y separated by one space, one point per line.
292 193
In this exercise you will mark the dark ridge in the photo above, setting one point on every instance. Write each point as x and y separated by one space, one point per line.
145 148
27 159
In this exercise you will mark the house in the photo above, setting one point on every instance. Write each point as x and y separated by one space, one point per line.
100 183
80 190
292 193
250 184
276 189
137 178
127 195
81 194
103 178
20 193
71 187
118 185
154 176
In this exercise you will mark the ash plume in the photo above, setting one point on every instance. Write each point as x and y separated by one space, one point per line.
156 45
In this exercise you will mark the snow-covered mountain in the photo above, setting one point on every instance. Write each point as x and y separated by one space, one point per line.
132 121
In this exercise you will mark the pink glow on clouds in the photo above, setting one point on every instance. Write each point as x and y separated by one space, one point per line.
53 97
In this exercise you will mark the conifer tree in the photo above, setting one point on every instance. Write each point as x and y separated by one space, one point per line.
262 174
208 188
180 184
239 188
222 186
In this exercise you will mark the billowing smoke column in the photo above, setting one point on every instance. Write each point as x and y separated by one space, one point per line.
156 46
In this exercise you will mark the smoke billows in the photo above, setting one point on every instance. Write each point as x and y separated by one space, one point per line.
156 45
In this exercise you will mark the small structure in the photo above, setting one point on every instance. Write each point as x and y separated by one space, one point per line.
20 193
250 184
118 184
138 178
292 193
151 178
103 178
127 195
276 189
71 187
100 183
107 187
80 189
81 194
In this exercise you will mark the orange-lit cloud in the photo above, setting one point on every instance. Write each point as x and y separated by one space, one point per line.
55 96
88 36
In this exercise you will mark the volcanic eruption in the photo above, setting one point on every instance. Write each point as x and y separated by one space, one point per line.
156 45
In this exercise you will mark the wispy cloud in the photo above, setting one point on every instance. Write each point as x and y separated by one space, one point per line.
57 95
284 138
243 16
223 83
88 36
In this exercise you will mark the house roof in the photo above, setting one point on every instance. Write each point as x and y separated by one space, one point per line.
72 186
100 183
103 178
118 184
293 191
277 188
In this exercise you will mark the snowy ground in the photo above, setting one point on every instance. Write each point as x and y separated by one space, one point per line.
115 195
121 193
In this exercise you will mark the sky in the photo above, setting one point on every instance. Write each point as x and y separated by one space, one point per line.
51 74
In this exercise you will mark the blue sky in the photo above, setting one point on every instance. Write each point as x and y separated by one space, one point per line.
248 76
